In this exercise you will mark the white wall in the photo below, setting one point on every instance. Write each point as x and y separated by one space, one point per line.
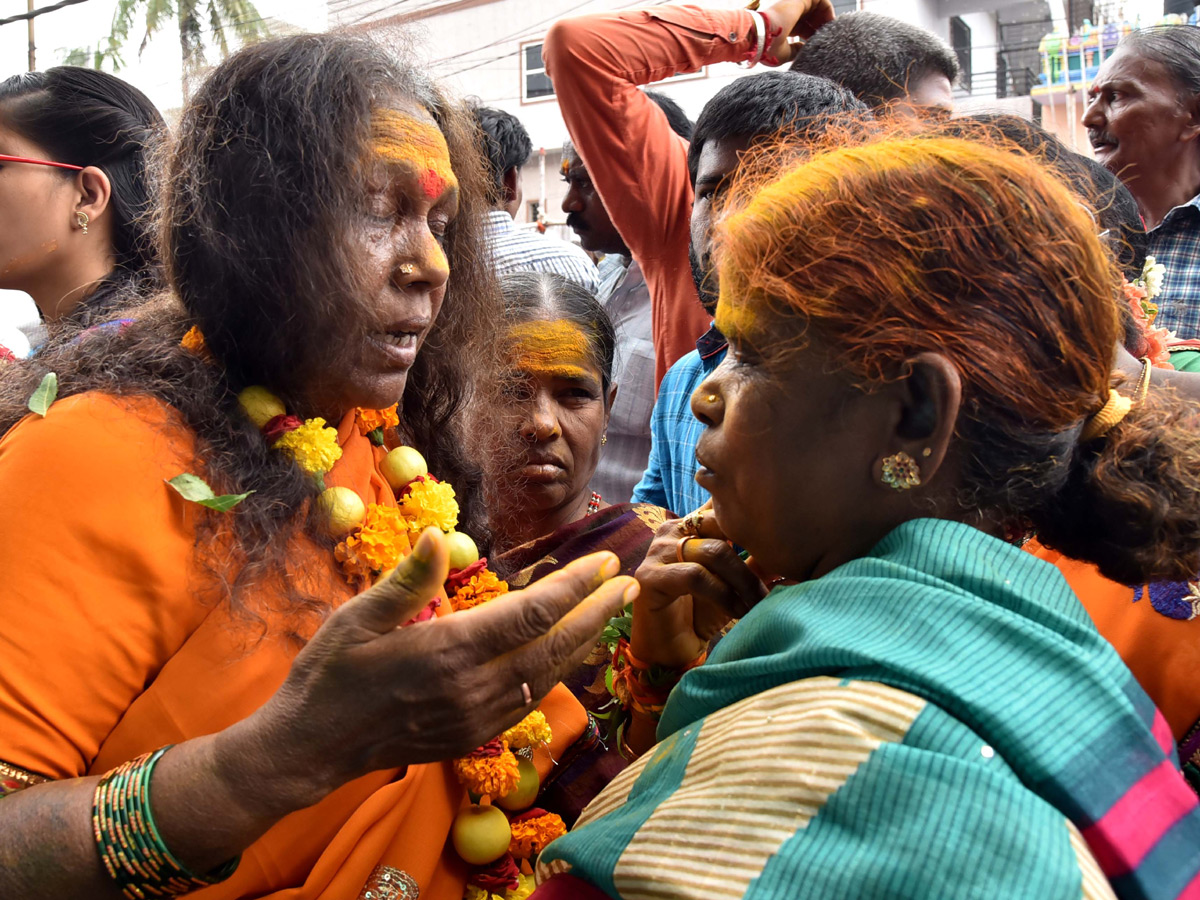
474 46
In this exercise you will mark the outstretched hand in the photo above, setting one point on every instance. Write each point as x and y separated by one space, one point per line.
366 694
692 585
796 19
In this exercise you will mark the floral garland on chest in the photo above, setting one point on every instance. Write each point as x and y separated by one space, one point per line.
498 842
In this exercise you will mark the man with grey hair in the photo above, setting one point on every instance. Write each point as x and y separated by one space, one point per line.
1143 120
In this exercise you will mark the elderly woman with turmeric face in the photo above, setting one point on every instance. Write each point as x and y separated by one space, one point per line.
232 663
921 332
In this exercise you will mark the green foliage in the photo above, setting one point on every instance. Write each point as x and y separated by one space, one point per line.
199 21
45 394
196 489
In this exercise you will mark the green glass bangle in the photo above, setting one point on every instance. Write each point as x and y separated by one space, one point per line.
129 842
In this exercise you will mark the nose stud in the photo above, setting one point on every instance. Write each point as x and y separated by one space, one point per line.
407 268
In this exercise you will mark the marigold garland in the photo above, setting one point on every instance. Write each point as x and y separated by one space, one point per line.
525 887
532 831
378 545
372 422
427 501
490 769
313 445
532 731
479 589
497 877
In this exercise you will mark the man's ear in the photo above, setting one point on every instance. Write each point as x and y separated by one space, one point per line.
512 186
1191 126
930 396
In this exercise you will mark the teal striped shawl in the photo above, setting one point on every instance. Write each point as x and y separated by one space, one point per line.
936 719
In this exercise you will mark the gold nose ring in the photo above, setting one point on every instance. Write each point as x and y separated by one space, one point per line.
407 268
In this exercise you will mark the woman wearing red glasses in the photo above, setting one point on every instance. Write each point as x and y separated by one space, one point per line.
74 192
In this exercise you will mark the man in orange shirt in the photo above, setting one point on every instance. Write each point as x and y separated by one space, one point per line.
638 164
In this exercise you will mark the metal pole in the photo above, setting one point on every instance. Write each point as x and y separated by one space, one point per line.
32 47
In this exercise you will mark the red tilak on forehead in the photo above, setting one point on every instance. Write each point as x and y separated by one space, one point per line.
432 183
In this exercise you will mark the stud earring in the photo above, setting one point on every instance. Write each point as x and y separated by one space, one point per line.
82 218
927 452
900 472
407 268
604 438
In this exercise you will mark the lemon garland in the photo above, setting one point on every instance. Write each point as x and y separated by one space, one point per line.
372 540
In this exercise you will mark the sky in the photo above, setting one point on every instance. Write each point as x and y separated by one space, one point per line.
156 71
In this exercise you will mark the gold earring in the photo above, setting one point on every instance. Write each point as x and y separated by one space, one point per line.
407 268
604 438
82 218
900 472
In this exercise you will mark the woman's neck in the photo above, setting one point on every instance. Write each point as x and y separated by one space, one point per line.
518 527
67 285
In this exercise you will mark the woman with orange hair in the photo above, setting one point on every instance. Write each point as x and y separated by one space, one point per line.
921 331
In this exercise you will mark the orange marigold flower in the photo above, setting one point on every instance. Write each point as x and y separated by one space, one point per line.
479 589
495 776
194 342
368 420
378 545
530 836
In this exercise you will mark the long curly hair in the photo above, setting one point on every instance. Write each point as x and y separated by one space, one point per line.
899 243
261 187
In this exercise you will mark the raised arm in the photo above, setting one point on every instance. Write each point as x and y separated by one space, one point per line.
637 163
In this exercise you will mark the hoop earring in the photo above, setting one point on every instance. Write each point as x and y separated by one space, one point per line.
82 219
900 472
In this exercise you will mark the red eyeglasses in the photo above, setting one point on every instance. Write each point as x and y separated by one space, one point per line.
40 162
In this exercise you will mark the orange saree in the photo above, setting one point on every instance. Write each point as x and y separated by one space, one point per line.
113 642
1156 633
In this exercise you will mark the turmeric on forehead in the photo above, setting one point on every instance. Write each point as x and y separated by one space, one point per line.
400 138
555 348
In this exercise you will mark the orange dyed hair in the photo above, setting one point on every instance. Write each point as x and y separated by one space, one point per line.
895 244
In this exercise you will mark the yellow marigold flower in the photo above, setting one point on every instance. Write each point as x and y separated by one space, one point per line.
530 836
529 732
480 589
491 775
522 890
377 546
312 445
478 893
368 420
428 503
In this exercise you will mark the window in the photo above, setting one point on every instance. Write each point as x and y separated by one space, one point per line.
535 83
960 40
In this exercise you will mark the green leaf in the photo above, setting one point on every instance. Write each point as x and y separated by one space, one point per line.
46 393
196 489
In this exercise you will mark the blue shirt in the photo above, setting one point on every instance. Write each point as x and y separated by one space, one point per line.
670 479
1175 243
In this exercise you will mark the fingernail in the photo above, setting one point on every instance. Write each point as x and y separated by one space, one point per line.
423 551
631 593
610 567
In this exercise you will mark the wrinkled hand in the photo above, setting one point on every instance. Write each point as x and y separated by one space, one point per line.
365 694
684 605
794 18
